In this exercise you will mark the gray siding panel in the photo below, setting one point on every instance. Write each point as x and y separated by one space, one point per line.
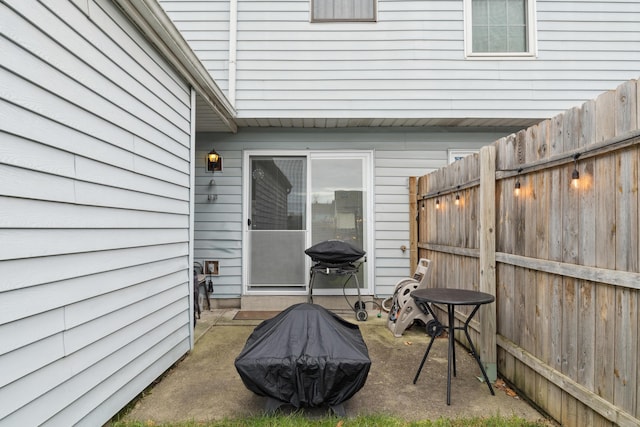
218 225
205 25
398 154
411 62
94 213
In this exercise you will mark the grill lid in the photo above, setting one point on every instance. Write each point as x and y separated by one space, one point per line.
334 252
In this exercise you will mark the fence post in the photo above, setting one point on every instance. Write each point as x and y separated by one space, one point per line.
414 227
487 236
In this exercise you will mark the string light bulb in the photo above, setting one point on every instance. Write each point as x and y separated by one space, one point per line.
575 175
516 187
438 201
457 202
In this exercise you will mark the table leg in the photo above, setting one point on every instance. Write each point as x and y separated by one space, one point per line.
451 313
452 353
424 358
474 353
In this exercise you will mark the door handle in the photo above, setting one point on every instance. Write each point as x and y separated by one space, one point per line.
249 222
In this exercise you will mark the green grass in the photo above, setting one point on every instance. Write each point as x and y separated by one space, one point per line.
298 420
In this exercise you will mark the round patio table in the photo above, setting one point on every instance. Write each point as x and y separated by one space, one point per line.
452 297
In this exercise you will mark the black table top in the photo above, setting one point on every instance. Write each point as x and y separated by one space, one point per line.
452 296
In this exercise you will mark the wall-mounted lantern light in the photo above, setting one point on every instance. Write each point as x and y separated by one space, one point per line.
213 161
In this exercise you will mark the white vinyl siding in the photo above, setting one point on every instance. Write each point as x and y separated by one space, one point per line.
398 155
411 62
218 224
95 131
343 10
205 25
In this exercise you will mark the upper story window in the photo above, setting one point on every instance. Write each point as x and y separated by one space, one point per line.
343 10
500 28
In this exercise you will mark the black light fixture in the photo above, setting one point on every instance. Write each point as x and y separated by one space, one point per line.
213 159
575 175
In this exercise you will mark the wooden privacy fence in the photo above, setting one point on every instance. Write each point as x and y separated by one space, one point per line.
562 260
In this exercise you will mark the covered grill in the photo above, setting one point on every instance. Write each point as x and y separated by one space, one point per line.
337 257
306 357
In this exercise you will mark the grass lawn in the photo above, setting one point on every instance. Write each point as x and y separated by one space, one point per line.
298 420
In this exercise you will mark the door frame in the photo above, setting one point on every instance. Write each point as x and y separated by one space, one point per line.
369 181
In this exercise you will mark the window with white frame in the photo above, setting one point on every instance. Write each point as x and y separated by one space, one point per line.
343 10
500 27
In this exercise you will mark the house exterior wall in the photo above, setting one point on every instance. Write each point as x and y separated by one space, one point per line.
398 154
95 132
205 25
410 63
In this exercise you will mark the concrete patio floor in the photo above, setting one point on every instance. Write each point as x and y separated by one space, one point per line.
205 385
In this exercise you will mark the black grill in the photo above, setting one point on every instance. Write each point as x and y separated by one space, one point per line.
334 253
337 257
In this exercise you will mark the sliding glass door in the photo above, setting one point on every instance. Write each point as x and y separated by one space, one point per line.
296 200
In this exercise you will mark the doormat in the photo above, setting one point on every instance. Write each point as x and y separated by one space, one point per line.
255 315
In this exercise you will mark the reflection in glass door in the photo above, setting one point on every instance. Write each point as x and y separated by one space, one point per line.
277 223
339 211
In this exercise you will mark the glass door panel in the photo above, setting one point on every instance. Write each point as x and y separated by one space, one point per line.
339 211
277 222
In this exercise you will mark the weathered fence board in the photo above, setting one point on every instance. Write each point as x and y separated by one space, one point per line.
565 260
604 178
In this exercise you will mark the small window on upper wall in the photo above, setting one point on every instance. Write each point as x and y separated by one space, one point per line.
500 28
343 10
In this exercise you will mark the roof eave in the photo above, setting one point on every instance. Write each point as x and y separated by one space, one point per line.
153 21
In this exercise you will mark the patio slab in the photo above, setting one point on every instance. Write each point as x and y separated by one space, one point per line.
205 385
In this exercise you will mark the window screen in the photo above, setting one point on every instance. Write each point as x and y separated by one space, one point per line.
343 10
499 26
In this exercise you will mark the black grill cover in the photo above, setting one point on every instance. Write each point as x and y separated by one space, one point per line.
334 252
306 356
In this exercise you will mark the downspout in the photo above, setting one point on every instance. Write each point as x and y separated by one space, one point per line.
233 46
